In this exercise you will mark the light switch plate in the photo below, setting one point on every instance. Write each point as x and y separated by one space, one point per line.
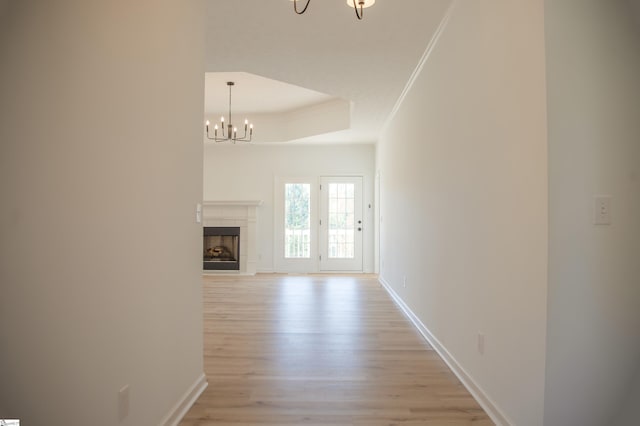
198 213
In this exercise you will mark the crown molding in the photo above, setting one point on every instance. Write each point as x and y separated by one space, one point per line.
418 70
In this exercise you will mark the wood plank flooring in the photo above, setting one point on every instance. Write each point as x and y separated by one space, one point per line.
320 350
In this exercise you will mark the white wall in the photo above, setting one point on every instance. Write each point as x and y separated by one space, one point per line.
100 171
247 172
629 409
593 348
463 170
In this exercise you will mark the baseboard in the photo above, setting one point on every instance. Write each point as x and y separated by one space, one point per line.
228 273
182 406
474 389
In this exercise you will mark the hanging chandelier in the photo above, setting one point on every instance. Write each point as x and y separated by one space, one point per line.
231 133
358 6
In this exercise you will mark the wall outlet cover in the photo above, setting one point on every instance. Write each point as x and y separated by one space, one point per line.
602 210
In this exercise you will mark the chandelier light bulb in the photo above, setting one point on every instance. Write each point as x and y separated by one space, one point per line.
361 3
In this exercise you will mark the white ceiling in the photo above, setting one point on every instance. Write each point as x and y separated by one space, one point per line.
326 50
254 94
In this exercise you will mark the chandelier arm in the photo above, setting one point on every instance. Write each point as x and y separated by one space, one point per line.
295 7
355 7
215 138
244 136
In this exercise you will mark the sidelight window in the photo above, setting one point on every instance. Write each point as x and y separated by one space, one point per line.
297 217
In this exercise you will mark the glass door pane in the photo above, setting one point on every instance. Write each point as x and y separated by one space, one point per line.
297 218
341 221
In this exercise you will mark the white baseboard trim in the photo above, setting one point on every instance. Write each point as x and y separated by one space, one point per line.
227 273
182 406
474 389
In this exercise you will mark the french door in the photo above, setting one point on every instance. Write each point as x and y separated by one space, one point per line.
318 224
296 226
340 224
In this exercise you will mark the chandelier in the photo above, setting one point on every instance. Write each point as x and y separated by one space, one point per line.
358 6
231 133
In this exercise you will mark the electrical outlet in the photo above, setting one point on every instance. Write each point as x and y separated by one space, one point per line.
123 403
602 210
481 343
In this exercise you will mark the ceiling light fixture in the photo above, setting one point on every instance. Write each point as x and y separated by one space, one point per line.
358 6
231 135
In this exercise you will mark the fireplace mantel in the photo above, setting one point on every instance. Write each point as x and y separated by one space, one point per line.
241 213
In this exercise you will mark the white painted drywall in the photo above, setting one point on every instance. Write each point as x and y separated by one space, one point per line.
593 347
464 200
247 172
100 173
628 413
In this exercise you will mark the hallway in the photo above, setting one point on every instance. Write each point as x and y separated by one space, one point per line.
320 350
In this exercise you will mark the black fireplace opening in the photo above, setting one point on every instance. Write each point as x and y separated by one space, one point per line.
221 248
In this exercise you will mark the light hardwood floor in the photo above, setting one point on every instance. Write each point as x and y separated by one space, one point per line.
320 350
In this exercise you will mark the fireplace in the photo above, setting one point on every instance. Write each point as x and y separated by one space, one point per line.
221 248
242 214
